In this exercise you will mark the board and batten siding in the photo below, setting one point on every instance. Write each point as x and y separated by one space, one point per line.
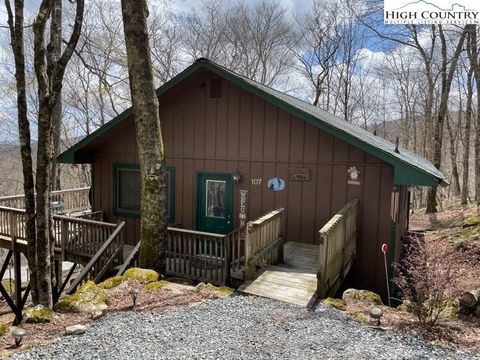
242 133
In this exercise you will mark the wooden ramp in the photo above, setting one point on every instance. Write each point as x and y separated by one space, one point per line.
294 281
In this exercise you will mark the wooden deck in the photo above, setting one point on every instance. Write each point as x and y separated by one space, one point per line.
294 281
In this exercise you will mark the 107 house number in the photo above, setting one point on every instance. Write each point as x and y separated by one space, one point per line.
256 182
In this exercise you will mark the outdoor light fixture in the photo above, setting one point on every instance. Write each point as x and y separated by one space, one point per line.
18 333
236 177
134 294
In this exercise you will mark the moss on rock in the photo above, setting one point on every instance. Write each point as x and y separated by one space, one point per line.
336 303
350 295
359 316
180 280
112 282
143 275
9 285
216 291
156 285
473 220
87 298
39 314
405 306
4 327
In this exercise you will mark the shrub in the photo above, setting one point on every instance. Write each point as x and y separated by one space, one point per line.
427 278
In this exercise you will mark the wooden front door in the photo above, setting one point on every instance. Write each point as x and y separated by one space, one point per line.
215 202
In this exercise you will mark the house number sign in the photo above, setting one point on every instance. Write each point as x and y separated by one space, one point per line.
242 215
256 182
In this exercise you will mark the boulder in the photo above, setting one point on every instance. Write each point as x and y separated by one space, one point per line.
145 276
38 314
75 329
88 298
351 295
97 314
405 306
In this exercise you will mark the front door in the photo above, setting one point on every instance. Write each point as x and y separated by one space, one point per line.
215 197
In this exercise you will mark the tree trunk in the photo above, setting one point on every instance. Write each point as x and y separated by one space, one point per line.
467 135
447 76
453 158
56 41
153 228
16 35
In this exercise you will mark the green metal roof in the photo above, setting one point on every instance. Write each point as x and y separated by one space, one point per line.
410 169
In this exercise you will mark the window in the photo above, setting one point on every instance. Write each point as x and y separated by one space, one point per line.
126 191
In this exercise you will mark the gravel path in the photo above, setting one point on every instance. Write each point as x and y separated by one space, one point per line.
237 328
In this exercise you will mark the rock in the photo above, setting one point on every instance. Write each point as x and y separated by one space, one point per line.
336 303
200 285
38 314
97 314
351 295
145 276
75 329
476 236
87 298
376 313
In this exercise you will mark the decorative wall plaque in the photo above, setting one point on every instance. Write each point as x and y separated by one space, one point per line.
353 176
242 215
276 184
299 174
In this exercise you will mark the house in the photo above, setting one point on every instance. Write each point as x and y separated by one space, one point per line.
236 149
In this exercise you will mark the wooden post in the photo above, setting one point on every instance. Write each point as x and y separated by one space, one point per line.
63 237
17 268
281 253
227 249
248 252
322 266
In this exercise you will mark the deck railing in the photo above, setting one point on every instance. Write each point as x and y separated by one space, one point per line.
74 238
337 249
263 242
63 201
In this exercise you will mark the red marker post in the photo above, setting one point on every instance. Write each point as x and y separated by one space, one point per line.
384 251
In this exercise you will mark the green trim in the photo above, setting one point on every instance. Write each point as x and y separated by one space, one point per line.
405 173
136 214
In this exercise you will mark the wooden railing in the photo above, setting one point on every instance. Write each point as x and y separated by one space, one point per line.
198 255
263 241
80 237
337 251
12 223
74 238
109 253
63 201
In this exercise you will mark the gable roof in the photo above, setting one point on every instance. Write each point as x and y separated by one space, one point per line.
409 168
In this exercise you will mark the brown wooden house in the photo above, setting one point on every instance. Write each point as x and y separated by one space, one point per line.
236 149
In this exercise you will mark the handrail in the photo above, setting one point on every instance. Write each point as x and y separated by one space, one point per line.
195 232
95 258
264 240
337 249
129 259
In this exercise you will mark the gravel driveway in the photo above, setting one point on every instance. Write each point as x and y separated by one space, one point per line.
237 328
